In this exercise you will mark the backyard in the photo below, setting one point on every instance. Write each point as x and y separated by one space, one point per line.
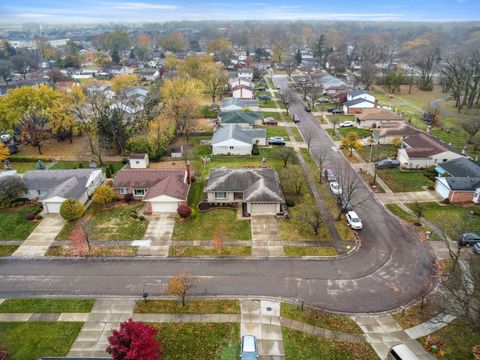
111 222
378 152
14 226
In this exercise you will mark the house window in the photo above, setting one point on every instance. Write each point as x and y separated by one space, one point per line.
137 162
232 147
220 195
139 192
123 191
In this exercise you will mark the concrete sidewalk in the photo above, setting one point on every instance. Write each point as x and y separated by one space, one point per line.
42 237
409 197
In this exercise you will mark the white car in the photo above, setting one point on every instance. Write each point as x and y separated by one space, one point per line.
5 138
346 124
353 220
336 189
276 138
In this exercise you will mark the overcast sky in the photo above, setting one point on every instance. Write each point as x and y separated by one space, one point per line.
158 11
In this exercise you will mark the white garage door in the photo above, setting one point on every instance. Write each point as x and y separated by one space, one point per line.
52 207
263 209
164 207
441 189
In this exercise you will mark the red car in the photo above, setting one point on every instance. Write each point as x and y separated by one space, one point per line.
270 121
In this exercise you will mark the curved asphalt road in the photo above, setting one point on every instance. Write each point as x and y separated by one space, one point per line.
390 269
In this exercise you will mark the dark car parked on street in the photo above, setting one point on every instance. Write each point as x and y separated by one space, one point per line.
307 109
468 239
388 163
337 111
329 175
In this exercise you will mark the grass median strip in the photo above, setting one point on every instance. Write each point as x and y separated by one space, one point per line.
310 251
121 251
301 346
209 251
7 250
320 319
32 340
191 307
34 305
199 341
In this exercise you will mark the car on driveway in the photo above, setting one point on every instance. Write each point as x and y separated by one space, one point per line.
468 239
264 97
353 220
388 163
276 140
336 189
337 111
322 100
248 348
346 124
270 121
330 109
296 118
329 175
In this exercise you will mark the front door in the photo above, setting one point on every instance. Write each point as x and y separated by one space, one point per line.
476 196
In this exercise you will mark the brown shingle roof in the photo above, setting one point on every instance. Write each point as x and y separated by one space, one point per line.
137 156
422 145
396 129
378 115
157 181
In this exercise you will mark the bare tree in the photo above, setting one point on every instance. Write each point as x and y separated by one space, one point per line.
285 154
426 57
308 137
334 120
367 73
311 215
293 179
290 66
304 86
418 211
322 157
471 127
353 191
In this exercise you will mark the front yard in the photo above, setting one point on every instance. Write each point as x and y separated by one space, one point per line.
46 305
277 131
301 346
14 226
378 152
362 133
203 225
209 251
199 341
32 340
405 180
191 307
111 222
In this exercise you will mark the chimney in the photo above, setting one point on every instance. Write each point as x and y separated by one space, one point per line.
375 104
189 171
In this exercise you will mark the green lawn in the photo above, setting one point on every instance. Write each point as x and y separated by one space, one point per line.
324 106
68 165
301 346
21 167
7 250
277 131
310 251
14 226
202 226
31 340
402 214
267 104
46 305
296 134
379 152
333 135
274 115
416 315
189 341
191 307
341 118
209 251
453 219
101 251
320 319
111 223
362 133
458 340
405 181
196 193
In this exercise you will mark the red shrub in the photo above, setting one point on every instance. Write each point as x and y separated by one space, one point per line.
30 216
134 340
184 210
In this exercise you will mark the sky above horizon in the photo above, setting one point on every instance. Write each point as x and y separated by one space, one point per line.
88 11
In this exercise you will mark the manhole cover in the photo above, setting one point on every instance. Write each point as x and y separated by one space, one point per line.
269 309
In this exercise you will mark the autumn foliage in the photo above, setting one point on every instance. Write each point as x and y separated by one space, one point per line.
180 285
134 341
184 210
104 194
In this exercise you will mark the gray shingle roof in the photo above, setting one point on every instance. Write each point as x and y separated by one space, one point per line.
356 101
234 132
257 185
62 183
358 92
239 117
461 167
239 102
463 183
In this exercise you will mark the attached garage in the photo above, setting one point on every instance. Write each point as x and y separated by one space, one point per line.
442 188
263 208
159 207
52 207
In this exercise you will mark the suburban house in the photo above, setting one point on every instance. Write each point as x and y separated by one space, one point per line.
245 73
161 189
240 81
246 119
374 118
357 105
421 151
360 94
53 187
233 104
459 180
234 140
148 74
243 92
139 161
258 190
329 83
394 130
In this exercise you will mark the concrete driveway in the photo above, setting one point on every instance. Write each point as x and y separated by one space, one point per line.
159 232
266 236
42 237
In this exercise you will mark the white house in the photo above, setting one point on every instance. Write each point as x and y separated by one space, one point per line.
245 73
360 94
240 81
357 105
234 140
138 161
421 151
233 104
53 187
243 92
